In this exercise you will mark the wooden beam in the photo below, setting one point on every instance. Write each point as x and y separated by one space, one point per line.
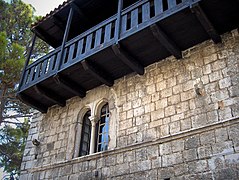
51 96
69 85
118 22
206 23
65 37
79 11
32 102
127 59
27 61
164 40
97 73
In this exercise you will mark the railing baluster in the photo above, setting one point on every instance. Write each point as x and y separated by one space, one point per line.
171 4
79 48
146 12
88 42
51 65
32 73
107 33
134 18
124 24
158 7
26 77
44 66
71 52
98 37
38 71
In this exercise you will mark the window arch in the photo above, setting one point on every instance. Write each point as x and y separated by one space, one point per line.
85 135
102 131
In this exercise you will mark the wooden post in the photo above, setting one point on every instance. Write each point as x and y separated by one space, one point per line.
27 61
65 37
118 22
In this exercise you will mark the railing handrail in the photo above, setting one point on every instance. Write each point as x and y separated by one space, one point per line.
43 58
133 6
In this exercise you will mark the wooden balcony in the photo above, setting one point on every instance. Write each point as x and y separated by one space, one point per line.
141 34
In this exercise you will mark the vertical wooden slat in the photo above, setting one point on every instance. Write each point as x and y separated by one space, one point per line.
98 37
57 61
26 77
134 18
158 7
31 76
88 42
146 12
38 71
64 56
71 52
107 33
124 24
79 48
51 64
44 66
171 4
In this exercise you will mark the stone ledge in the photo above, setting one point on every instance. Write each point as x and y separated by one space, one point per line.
162 140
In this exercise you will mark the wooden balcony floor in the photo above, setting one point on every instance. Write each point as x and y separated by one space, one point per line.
182 26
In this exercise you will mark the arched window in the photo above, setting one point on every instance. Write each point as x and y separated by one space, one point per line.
85 135
103 129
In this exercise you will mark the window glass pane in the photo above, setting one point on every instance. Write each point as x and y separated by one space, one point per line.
103 129
85 135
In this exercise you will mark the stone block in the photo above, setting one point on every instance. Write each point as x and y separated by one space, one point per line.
166 92
142 166
177 89
182 107
121 169
169 111
188 95
207 138
177 145
222 148
165 148
164 130
129 156
174 99
192 142
172 159
174 127
186 124
221 134
224 83
204 151
158 114
197 167
162 103
151 89
157 163
149 107
190 155
138 111
215 76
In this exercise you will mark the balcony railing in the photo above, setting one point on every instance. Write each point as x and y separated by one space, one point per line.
131 20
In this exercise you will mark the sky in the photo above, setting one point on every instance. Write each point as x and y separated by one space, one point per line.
44 6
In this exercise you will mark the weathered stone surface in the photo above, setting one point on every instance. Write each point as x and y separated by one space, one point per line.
160 127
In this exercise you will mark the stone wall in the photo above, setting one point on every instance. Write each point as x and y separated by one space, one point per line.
178 121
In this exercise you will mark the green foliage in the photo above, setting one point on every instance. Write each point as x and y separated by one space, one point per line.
12 144
15 39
